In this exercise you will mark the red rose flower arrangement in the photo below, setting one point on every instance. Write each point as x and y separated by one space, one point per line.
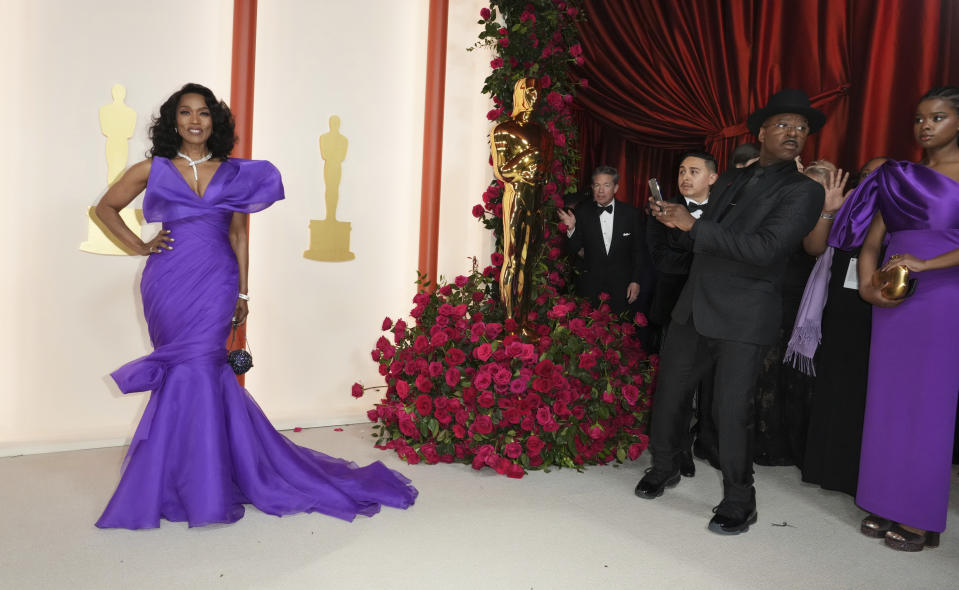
458 390
459 386
541 41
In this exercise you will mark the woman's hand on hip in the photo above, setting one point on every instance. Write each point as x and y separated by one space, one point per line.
158 244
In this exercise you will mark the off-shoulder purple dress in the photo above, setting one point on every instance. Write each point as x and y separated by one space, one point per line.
204 448
914 356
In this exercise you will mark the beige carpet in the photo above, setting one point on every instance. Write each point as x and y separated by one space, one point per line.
468 530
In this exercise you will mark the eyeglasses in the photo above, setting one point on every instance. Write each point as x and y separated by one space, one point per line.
800 129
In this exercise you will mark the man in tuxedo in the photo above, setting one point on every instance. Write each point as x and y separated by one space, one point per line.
610 234
697 173
728 313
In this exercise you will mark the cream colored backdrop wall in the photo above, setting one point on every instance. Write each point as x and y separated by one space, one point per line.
315 323
70 317
466 168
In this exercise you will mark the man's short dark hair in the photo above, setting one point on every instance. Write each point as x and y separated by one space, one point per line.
606 170
711 164
744 153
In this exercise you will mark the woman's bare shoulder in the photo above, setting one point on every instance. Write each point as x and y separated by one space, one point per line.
140 170
135 178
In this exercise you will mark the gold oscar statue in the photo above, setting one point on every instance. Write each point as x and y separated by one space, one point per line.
117 123
330 238
522 152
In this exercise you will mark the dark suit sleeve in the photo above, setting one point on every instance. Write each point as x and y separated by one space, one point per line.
575 243
779 232
656 242
667 250
680 241
640 255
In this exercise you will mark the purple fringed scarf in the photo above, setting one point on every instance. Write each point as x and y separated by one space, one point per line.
848 232
807 331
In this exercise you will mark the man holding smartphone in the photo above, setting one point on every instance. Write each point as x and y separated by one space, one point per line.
697 174
729 310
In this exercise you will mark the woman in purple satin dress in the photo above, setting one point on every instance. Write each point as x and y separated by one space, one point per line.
204 448
914 355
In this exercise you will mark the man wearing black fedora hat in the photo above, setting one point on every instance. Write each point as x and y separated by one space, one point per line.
729 311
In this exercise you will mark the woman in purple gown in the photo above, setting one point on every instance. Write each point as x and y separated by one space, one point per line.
914 355
204 448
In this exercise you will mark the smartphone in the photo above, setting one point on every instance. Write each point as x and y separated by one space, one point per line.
654 189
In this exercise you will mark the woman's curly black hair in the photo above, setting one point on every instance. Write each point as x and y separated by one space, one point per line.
166 141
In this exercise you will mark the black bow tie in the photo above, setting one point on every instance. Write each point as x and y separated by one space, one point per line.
694 206
607 208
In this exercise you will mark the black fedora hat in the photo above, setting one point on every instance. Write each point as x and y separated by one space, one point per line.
789 100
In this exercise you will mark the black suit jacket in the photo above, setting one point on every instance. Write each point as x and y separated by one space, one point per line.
756 218
626 262
671 260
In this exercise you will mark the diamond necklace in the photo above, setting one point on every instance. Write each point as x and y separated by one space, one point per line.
193 164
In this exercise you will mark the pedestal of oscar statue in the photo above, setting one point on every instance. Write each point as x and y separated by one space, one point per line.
329 241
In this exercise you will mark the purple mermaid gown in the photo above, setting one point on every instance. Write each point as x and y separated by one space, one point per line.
204 448
914 356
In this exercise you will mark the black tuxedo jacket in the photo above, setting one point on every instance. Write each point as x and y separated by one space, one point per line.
755 219
626 262
671 260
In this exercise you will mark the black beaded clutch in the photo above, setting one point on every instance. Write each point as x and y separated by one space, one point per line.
240 359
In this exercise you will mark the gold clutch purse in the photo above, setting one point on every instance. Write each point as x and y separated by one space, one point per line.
898 283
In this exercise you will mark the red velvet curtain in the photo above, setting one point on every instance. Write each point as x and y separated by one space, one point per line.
668 76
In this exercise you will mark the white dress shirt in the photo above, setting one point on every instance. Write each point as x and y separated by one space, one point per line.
605 225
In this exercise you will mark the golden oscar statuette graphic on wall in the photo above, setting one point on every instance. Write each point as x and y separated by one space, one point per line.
117 122
330 238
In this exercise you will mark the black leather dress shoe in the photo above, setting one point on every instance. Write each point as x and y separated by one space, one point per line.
732 525
686 466
655 481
